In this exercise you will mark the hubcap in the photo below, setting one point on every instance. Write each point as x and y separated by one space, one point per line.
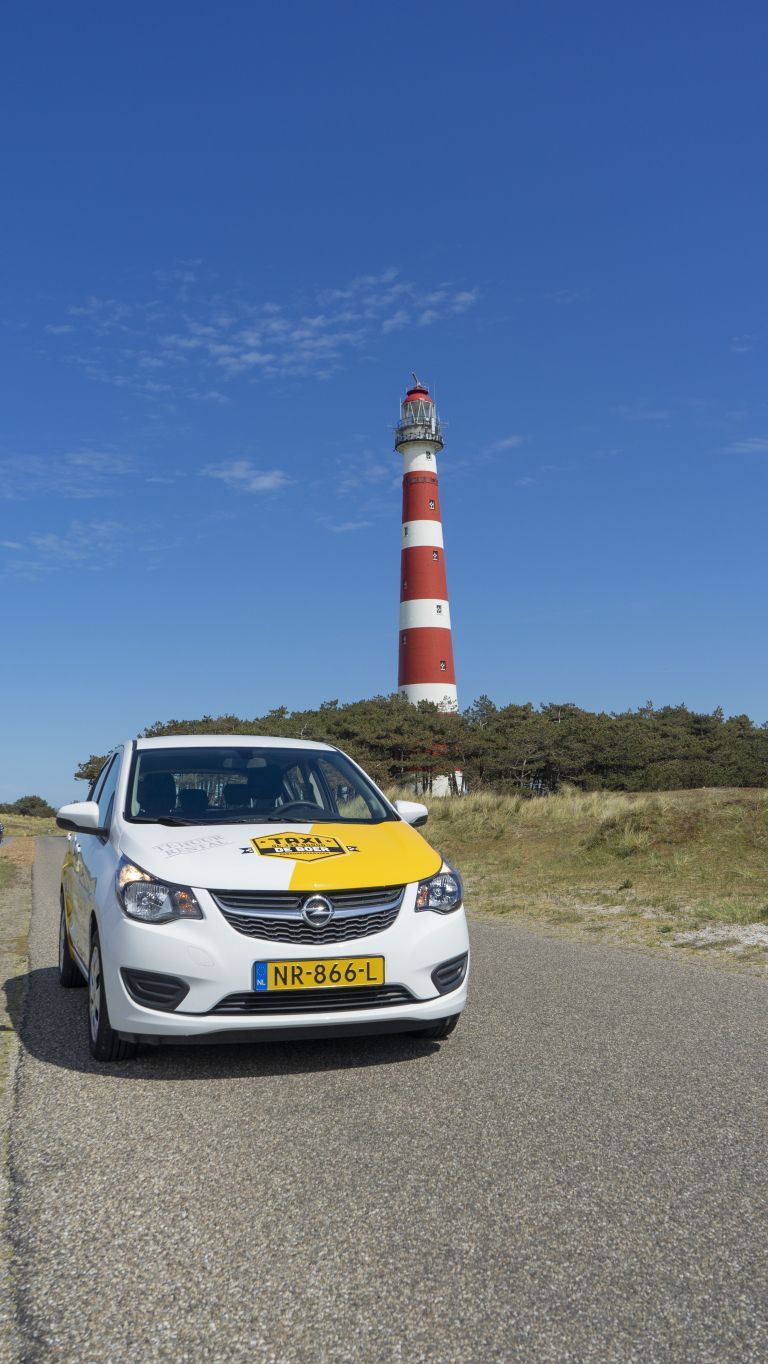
94 991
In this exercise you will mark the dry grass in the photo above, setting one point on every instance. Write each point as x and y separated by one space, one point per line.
28 826
635 868
19 853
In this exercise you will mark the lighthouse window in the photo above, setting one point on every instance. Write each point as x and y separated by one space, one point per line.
403 638
431 504
435 554
439 610
405 530
442 665
429 454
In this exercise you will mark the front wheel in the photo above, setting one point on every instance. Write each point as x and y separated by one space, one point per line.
70 975
104 1042
442 1028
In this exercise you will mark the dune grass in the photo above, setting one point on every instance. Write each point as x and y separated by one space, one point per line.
643 867
28 826
637 868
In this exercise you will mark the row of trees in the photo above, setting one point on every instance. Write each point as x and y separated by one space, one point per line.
28 805
523 747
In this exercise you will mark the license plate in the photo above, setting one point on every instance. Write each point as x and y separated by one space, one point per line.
321 973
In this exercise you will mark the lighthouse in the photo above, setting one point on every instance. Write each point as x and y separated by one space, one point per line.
426 671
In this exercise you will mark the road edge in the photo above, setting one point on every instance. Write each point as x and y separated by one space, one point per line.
16 902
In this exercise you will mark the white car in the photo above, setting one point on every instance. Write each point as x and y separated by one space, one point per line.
226 887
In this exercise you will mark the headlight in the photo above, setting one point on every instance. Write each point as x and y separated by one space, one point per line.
152 901
442 893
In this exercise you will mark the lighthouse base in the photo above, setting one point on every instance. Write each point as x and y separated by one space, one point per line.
441 784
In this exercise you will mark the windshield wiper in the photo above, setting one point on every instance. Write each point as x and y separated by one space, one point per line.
269 819
307 819
162 819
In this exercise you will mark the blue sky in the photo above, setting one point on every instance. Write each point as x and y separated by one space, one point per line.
231 232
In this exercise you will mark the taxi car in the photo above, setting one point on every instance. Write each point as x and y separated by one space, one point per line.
239 887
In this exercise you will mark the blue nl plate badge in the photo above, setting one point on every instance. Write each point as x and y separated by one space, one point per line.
260 975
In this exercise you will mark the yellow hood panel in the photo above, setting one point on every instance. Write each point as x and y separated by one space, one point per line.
350 856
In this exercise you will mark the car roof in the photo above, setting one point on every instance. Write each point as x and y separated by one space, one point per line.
226 740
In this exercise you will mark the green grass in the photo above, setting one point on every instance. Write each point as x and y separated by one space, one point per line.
28 826
641 867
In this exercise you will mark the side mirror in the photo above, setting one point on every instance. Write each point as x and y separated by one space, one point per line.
413 813
82 817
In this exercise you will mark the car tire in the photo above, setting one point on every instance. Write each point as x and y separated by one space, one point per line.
105 1043
70 975
437 1031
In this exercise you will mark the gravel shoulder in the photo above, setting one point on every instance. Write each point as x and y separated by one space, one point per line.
578 1174
16 861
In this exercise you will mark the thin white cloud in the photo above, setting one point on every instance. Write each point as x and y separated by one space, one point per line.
83 540
175 276
200 341
463 299
243 476
78 475
486 454
396 322
504 443
368 469
212 395
83 544
345 527
742 345
363 284
752 445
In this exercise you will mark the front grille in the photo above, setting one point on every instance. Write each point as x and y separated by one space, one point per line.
287 900
276 915
313 1001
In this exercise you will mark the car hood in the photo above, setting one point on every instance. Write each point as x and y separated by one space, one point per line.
301 857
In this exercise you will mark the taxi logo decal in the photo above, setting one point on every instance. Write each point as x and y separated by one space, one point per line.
299 847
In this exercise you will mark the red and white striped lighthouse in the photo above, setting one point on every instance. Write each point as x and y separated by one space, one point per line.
426 670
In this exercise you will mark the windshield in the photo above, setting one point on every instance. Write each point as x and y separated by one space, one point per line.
249 785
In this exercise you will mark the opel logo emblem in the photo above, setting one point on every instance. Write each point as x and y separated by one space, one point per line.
317 911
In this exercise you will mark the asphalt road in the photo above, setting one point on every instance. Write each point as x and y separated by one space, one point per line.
579 1173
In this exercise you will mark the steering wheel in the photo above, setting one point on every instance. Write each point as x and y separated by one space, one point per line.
298 805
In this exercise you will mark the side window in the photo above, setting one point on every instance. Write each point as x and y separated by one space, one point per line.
106 797
94 789
349 803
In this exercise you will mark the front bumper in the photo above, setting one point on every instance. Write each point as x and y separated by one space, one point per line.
215 961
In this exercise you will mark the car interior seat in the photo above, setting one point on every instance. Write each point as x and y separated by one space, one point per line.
265 784
157 794
193 801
